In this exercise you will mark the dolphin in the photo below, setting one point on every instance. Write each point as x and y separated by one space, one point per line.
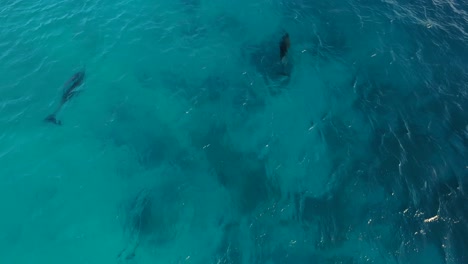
69 90
284 45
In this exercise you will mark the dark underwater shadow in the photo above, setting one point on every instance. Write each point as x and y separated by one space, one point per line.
151 218
243 174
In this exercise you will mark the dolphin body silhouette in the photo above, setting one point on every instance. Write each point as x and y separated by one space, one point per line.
69 90
284 45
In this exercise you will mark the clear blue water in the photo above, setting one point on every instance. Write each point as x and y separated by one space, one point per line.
187 145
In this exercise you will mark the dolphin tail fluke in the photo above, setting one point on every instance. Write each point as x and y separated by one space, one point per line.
52 119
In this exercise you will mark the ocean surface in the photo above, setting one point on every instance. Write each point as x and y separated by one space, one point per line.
191 141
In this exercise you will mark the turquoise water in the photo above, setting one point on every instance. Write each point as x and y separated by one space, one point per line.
187 145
